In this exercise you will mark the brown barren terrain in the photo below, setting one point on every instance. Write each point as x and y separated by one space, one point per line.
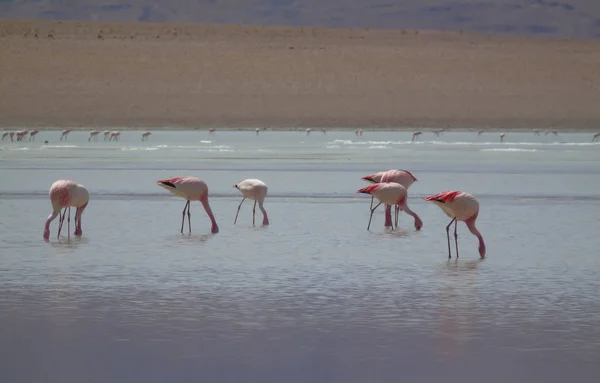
85 74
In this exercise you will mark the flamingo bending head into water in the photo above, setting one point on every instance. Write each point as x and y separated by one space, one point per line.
390 193
190 189
64 134
459 206
114 136
106 134
32 134
63 195
255 190
416 135
403 177
145 136
595 138
4 135
93 134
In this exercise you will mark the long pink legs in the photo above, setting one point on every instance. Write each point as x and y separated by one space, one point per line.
238 211
455 237
62 219
186 207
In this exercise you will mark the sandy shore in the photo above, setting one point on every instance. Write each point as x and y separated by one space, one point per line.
134 75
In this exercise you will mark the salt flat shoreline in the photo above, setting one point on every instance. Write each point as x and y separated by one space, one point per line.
136 76
315 130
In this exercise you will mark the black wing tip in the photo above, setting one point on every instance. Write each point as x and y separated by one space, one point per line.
167 183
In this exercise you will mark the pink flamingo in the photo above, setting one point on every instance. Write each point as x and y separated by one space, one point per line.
257 131
536 132
308 131
145 136
32 134
115 136
595 138
11 135
501 137
63 195
93 134
437 132
64 134
4 135
190 189
416 135
403 177
459 206
255 190
21 134
390 193
211 131
106 134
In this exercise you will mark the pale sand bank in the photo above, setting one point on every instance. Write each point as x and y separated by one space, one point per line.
82 74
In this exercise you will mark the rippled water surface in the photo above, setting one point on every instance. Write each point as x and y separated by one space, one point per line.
314 297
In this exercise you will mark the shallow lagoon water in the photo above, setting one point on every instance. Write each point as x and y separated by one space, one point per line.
314 297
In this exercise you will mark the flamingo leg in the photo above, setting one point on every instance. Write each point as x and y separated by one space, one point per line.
448 235
238 210
397 211
189 217
371 217
456 237
186 207
69 225
253 213
61 219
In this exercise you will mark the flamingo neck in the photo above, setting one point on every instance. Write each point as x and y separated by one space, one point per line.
418 222
475 232
206 205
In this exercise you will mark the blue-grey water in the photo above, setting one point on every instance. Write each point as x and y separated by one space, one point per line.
314 297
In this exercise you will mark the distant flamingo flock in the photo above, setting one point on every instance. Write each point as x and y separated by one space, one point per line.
389 188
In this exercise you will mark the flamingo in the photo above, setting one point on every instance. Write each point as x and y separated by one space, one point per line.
324 131
106 134
94 135
63 195
257 131
64 134
21 134
190 189
308 131
32 134
416 135
115 136
594 139
255 190
11 135
459 206
437 132
4 135
403 177
211 131
501 137
536 132
390 193
480 132
145 136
